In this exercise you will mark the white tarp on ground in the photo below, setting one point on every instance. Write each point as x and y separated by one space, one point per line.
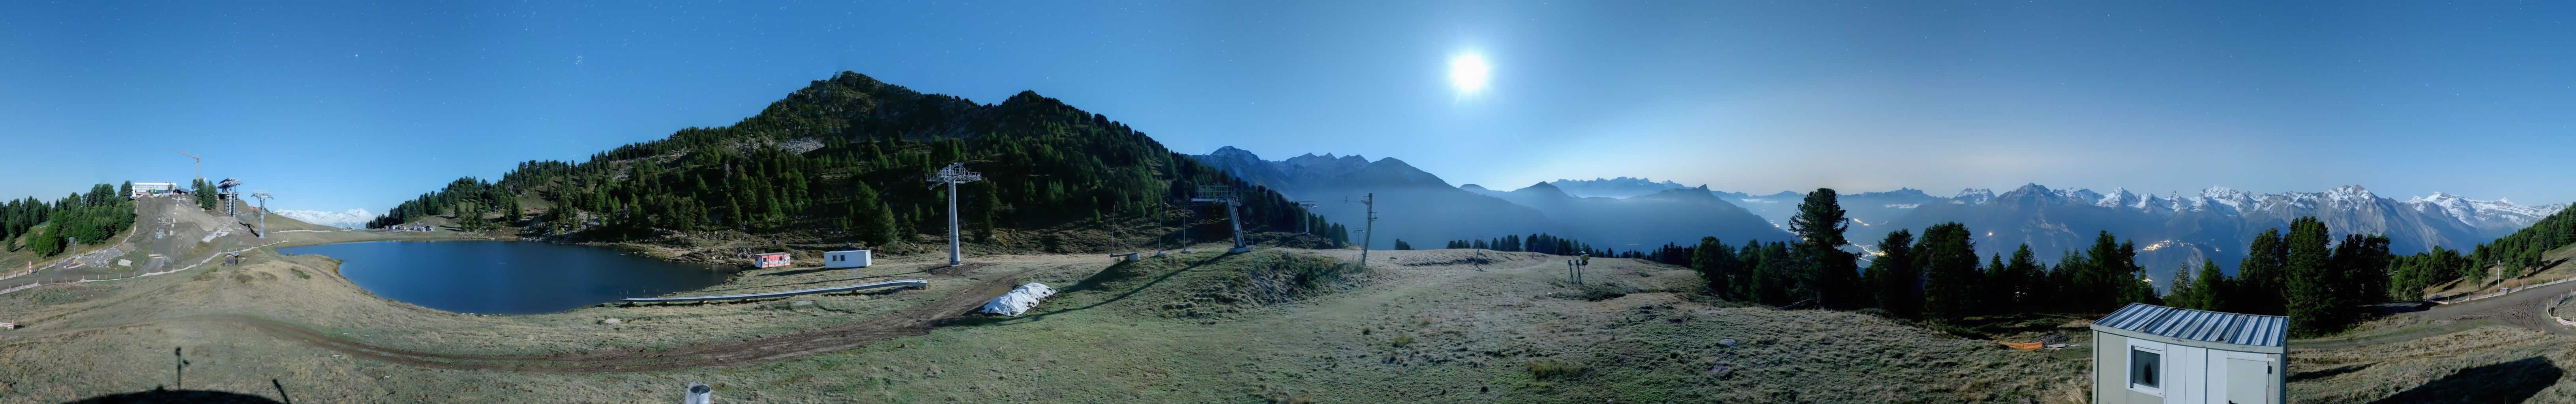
1019 300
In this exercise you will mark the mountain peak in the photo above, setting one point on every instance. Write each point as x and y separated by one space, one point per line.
1973 196
1233 153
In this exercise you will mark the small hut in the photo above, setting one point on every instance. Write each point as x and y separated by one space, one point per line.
769 260
2154 354
847 259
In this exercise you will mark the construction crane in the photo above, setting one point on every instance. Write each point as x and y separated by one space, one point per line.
200 163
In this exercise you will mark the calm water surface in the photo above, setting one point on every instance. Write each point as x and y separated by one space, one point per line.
508 277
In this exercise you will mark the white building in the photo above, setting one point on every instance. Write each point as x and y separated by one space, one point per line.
2149 354
847 259
143 189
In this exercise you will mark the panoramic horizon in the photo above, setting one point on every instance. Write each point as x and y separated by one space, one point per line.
1862 97
1627 201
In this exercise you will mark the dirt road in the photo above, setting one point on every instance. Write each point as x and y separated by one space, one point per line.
916 320
2519 309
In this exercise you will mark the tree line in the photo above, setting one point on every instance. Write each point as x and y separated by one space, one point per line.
93 217
1535 242
1937 275
846 157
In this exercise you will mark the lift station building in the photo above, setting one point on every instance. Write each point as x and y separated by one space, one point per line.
2149 354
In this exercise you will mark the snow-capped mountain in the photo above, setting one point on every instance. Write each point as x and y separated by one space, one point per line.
353 218
2497 215
2178 229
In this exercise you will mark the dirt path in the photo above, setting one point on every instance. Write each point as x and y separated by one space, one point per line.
2523 309
916 320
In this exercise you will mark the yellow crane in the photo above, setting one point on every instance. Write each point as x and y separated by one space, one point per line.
201 164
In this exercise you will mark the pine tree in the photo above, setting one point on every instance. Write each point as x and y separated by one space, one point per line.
2258 285
874 224
1833 273
2312 301
1893 277
2212 287
2184 293
2031 292
1719 268
205 194
1947 256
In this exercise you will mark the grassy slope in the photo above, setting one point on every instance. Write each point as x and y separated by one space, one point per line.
2495 282
2485 360
1122 337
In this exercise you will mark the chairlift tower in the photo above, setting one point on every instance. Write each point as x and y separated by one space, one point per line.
263 211
224 191
952 175
1226 195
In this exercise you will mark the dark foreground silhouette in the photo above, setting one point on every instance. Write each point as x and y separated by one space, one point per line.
2509 382
178 396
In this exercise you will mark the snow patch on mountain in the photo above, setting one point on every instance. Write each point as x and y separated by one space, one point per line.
1974 196
2483 213
352 219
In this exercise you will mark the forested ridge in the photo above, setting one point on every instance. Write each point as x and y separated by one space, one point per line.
87 218
845 158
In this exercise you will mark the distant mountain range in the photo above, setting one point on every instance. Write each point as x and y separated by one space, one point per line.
353 218
1633 213
1422 209
1621 187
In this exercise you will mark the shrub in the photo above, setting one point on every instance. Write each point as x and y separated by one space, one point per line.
1544 369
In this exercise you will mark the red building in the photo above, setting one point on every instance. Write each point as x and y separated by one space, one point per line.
770 260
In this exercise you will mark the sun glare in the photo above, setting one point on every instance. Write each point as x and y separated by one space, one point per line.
1468 72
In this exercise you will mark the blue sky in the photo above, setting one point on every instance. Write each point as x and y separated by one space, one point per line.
338 105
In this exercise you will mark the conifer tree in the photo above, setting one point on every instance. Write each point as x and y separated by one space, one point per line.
1893 277
1832 273
2258 285
2212 287
1718 266
2312 301
2183 293
2029 290
1947 256
874 223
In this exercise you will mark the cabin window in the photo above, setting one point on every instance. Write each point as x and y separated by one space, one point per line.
2146 368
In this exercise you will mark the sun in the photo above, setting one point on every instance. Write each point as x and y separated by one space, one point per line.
1468 73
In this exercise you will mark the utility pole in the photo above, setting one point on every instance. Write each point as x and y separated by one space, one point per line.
952 175
1369 231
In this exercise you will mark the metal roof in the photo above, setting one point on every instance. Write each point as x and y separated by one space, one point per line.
2198 325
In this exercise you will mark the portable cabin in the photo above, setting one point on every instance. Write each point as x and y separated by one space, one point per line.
2146 354
769 260
846 259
